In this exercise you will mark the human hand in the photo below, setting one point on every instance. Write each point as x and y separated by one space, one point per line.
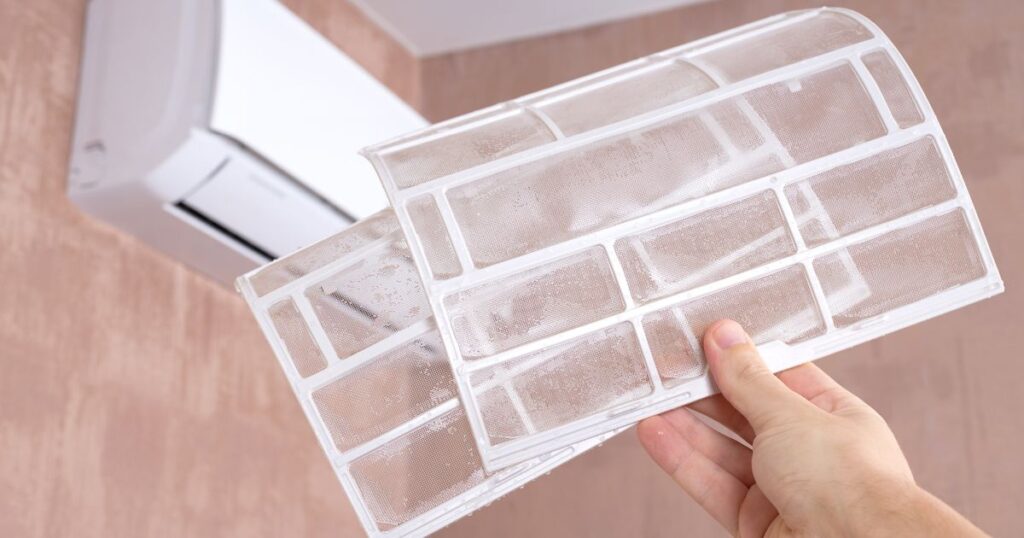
822 462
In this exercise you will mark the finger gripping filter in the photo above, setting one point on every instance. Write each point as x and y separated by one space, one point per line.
352 329
575 243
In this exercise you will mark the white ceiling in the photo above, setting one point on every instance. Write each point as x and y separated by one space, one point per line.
430 27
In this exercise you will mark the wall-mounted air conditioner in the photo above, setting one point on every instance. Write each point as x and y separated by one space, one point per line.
224 132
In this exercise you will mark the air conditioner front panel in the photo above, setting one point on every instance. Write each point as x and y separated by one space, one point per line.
145 84
264 208
288 94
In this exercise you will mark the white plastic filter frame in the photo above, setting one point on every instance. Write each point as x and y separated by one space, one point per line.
779 355
288 279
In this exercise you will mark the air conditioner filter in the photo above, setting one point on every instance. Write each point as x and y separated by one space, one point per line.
353 331
575 243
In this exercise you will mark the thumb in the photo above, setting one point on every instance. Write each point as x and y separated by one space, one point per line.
746 381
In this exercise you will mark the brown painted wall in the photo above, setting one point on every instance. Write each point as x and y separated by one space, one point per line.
138 399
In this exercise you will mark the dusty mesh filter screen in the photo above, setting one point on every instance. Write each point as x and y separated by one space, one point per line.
575 243
352 329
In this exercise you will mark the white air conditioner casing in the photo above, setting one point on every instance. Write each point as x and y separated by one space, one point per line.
224 132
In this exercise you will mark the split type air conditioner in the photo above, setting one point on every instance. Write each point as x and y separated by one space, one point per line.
224 132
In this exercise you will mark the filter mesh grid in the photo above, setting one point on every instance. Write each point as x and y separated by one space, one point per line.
352 328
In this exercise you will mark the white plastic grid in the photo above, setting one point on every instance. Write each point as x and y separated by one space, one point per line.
285 283
792 172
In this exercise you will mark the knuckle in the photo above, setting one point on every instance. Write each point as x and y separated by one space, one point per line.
749 370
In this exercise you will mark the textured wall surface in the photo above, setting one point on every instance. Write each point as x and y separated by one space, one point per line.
138 399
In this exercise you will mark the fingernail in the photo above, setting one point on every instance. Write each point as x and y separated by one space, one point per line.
728 334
